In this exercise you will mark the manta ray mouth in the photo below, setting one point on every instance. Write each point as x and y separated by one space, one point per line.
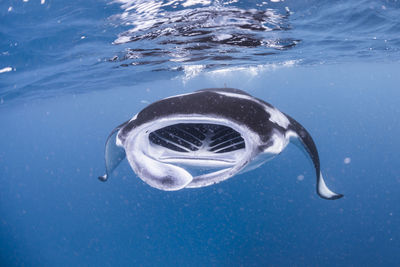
199 144
192 151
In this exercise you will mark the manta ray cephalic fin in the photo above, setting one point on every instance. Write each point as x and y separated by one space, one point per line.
113 154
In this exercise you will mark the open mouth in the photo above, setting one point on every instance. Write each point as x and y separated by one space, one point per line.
200 144
190 152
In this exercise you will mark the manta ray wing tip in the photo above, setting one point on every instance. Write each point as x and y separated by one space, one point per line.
103 178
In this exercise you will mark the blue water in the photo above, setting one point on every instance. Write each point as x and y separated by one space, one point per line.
72 71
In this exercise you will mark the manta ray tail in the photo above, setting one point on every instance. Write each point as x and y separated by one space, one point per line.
113 154
308 144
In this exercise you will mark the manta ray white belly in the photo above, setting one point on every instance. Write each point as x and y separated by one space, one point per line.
203 138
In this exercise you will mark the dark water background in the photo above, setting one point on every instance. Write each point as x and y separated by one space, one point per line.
71 71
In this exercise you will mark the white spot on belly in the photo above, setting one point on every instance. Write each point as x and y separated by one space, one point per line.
277 117
279 142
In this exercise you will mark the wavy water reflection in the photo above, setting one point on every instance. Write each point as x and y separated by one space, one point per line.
52 48
164 34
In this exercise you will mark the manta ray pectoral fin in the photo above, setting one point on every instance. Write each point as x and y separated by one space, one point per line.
113 154
323 191
300 134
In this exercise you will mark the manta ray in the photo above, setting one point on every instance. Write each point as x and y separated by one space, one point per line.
202 138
